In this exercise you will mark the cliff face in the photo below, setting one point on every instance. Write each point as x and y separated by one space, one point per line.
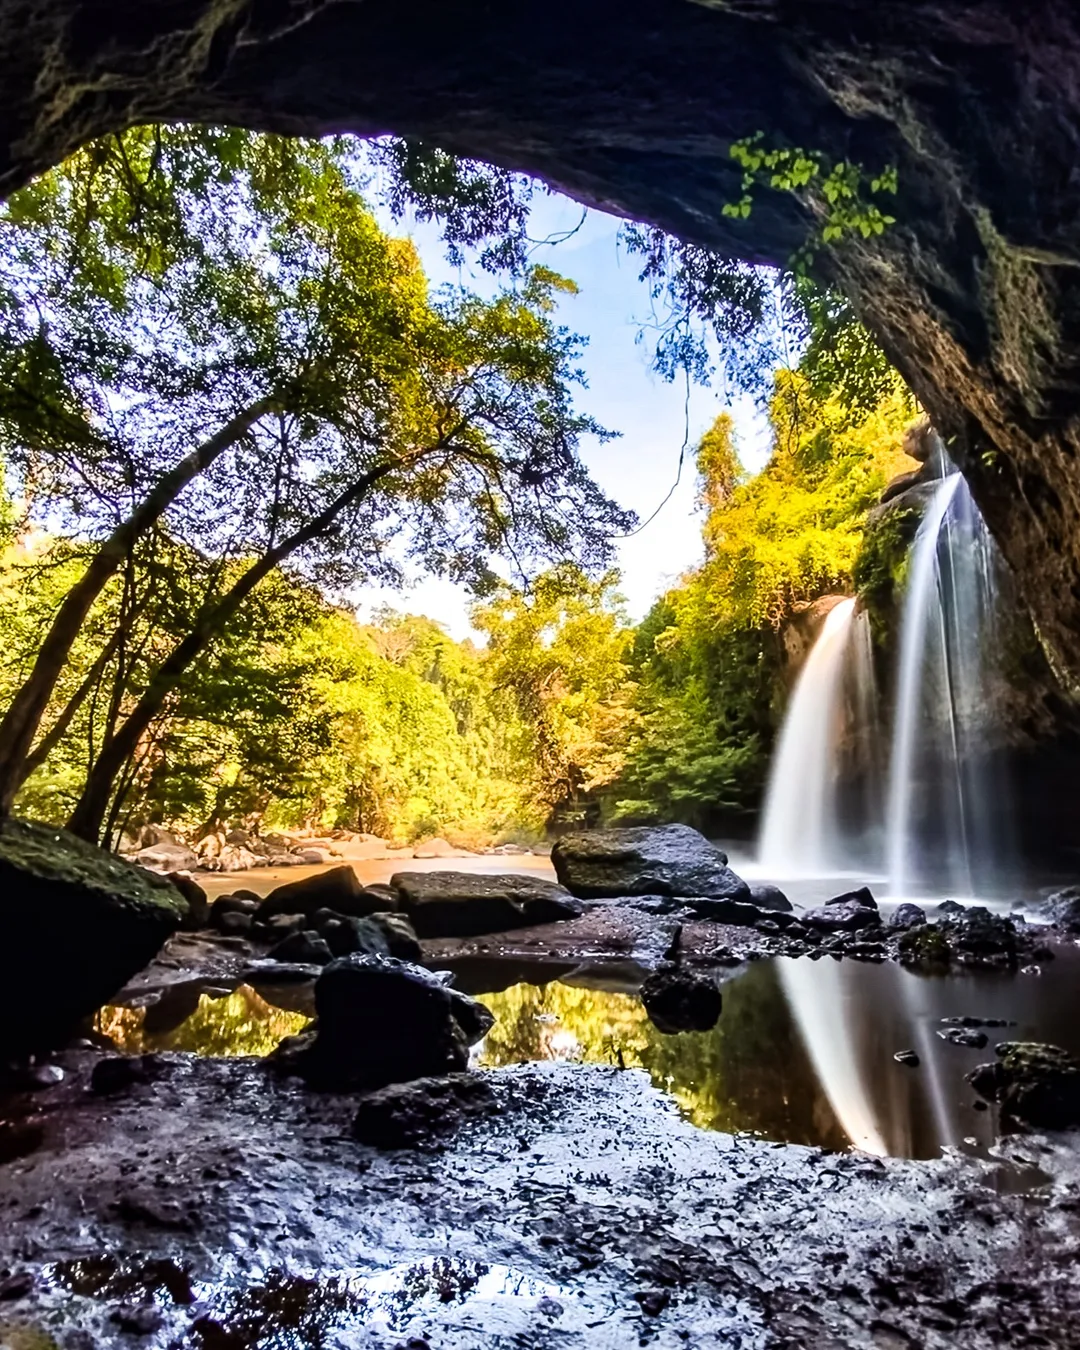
632 105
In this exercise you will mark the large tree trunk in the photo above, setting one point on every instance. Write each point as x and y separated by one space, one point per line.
90 811
23 717
59 728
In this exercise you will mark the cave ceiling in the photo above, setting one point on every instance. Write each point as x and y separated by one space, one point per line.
632 105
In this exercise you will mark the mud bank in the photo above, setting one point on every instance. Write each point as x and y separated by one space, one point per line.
217 1206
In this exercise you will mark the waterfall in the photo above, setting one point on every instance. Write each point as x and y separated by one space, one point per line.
940 816
800 831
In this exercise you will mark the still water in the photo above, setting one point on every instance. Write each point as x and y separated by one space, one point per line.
803 1052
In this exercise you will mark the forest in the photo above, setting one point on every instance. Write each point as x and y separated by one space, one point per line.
230 397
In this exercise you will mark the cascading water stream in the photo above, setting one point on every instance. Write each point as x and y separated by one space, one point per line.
921 588
944 816
800 831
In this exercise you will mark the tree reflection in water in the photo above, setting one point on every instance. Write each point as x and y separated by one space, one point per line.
750 1072
240 1023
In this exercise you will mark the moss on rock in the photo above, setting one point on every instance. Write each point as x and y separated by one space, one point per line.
76 923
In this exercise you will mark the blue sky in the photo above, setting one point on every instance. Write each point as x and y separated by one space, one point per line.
655 418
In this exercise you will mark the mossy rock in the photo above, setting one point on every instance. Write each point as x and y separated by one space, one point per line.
76 923
925 945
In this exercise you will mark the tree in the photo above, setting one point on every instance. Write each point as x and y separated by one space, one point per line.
373 418
162 315
559 650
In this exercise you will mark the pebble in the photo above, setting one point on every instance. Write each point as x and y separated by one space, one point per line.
907 1057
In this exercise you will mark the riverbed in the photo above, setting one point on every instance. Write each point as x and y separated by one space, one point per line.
779 1180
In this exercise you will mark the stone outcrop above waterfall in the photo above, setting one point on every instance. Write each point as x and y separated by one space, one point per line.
672 860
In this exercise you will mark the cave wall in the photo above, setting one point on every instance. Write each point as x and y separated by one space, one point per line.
631 105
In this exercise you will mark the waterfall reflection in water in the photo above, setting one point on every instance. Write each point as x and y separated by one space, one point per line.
803 1051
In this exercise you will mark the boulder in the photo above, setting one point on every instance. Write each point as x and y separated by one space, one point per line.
381 1021
338 889
235 924
464 904
1062 909
238 858
303 948
766 896
1035 1083
906 916
439 848
198 915
976 936
225 905
645 860
677 1000
406 1115
862 897
168 857
312 856
738 913
345 935
399 934
76 923
845 916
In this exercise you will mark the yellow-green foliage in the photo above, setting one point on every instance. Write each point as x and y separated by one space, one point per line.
240 1023
706 661
793 532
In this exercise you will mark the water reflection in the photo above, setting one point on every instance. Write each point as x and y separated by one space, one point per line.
286 1310
237 1022
803 1051
750 1073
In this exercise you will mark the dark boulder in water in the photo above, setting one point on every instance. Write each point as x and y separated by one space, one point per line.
738 913
841 916
677 1000
906 916
76 923
1032 1082
305 948
382 1021
645 860
862 897
1063 909
766 896
337 889
468 904
198 914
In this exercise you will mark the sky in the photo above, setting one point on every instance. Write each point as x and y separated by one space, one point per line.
657 421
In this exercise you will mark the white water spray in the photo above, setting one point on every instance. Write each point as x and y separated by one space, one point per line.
944 814
921 589
800 832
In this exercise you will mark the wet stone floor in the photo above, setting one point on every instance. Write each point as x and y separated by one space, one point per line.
803 1052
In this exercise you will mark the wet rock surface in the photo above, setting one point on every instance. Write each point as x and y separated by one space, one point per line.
1062 909
464 904
1034 1083
76 924
672 860
566 1207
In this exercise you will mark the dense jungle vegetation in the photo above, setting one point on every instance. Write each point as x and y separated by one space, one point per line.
229 398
